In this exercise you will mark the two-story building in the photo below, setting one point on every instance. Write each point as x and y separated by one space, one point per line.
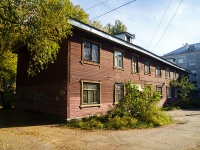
89 74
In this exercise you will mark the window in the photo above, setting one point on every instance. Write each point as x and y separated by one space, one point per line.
159 89
168 89
167 73
91 52
180 60
119 91
195 83
90 93
138 86
193 74
118 59
158 71
128 39
192 62
171 60
147 67
148 88
135 64
175 93
174 77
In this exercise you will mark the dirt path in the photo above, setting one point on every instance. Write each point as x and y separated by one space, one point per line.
183 135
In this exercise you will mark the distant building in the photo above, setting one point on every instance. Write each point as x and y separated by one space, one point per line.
188 56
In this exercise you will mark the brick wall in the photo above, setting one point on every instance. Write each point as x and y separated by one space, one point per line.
107 74
45 92
57 90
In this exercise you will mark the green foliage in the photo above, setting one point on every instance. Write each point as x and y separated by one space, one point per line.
170 107
8 69
118 27
185 87
135 110
78 13
98 25
40 25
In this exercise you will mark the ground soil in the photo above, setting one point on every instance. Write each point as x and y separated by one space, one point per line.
25 130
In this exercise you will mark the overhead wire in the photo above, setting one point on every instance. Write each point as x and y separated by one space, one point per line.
159 23
113 10
96 5
168 25
119 12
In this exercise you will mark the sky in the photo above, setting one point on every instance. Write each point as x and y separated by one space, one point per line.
160 26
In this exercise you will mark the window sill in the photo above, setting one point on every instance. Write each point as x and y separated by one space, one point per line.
158 76
115 103
168 78
90 105
135 73
118 68
147 74
90 63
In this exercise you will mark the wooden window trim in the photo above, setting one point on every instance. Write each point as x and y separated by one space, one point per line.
115 91
174 75
159 86
82 53
167 92
167 70
90 105
138 71
158 76
146 60
122 51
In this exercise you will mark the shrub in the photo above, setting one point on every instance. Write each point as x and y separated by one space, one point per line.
135 110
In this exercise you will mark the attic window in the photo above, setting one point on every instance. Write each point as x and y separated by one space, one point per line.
192 47
128 39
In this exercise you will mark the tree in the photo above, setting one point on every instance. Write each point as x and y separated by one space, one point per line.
8 69
79 14
117 28
98 25
39 25
184 86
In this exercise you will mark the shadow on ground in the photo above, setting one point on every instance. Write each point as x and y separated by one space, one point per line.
20 118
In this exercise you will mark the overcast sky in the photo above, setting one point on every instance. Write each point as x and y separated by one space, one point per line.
142 18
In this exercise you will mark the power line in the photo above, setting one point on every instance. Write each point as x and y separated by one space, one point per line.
159 24
168 24
112 10
96 5
119 12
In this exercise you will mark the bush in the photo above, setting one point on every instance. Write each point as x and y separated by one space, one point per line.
135 110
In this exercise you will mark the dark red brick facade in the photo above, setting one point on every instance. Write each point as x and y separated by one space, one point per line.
57 90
